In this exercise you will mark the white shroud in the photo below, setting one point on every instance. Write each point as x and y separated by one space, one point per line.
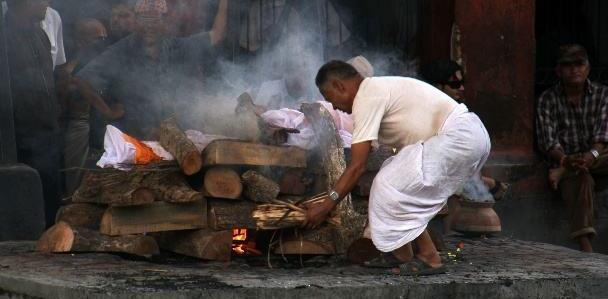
413 186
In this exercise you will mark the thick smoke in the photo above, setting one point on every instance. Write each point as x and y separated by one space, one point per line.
475 190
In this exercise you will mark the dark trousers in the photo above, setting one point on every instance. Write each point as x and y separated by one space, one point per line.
42 154
577 190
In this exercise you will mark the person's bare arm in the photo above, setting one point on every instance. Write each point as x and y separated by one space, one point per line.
91 95
218 31
317 213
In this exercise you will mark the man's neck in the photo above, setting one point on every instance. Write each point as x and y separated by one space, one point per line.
574 92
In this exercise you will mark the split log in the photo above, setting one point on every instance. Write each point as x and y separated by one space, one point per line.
364 185
377 157
139 186
174 188
174 140
203 243
294 182
334 163
81 215
119 195
284 212
155 217
230 214
234 152
63 237
223 182
259 188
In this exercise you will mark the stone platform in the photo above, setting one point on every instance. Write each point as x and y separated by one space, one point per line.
489 268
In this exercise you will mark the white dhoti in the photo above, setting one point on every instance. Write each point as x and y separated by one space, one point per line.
413 186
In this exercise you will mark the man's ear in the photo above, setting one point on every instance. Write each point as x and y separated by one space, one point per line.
338 85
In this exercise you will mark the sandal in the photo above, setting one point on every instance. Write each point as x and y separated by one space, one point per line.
499 190
417 267
385 260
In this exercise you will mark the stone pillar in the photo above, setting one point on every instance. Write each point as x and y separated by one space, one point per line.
21 203
498 47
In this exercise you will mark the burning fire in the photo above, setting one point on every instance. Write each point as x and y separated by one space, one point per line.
239 236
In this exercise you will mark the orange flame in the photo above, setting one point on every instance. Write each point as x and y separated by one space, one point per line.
240 235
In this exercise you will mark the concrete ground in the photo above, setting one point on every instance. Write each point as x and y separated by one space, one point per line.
489 268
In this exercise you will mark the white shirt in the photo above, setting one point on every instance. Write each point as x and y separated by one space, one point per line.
398 111
54 30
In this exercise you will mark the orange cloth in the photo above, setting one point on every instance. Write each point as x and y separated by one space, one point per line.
143 153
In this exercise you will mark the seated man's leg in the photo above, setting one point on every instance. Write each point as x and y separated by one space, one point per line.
577 192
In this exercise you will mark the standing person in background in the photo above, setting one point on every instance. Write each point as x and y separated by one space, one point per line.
35 105
122 22
89 33
153 76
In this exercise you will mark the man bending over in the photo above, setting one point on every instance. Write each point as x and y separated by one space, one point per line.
441 145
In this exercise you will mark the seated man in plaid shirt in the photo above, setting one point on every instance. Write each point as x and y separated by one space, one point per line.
572 126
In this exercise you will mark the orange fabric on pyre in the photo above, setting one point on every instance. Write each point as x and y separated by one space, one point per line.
143 153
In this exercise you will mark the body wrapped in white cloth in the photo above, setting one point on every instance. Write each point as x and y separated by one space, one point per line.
413 186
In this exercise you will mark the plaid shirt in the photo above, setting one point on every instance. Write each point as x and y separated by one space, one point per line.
574 128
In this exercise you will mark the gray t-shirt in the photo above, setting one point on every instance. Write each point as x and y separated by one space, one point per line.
150 91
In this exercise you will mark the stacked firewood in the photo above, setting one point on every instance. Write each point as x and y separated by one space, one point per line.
192 205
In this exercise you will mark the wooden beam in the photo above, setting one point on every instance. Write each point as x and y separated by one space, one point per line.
201 243
155 217
233 152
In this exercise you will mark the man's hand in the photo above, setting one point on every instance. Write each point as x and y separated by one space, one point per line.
317 213
579 162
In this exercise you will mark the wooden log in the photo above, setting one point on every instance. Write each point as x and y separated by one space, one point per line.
120 195
298 247
223 182
175 189
233 152
139 186
294 182
284 212
155 217
230 214
334 164
377 157
202 243
259 188
81 215
174 140
364 185
63 237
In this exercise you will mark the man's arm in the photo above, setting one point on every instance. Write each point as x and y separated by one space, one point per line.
218 31
317 213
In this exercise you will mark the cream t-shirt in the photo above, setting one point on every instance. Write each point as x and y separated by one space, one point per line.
398 111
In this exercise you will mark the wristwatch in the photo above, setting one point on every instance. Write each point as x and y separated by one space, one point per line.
334 196
595 153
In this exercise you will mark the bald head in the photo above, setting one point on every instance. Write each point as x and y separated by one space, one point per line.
89 31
